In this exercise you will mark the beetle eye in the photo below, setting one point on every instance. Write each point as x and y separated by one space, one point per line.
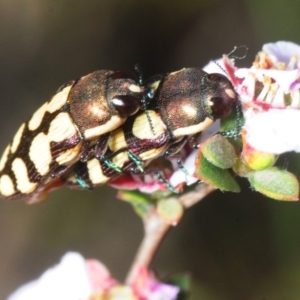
126 105
220 107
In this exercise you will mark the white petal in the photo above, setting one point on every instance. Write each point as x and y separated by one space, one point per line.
275 131
282 51
215 66
66 281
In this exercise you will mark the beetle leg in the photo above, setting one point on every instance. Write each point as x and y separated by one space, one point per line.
110 164
138 162
95 150
175 147
194 140
161 178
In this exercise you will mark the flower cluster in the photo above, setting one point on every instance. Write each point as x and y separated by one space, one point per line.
270 93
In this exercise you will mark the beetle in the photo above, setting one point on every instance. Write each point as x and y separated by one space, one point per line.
60 132
184 104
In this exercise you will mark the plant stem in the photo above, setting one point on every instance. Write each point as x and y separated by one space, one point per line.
156 228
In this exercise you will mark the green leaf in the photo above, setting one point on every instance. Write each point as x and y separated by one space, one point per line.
218 178
219 151
134 197
140 202
275 183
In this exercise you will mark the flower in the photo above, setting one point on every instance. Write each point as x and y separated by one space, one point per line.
270 94
75 278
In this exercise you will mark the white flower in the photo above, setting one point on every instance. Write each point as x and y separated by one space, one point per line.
66 281
270 94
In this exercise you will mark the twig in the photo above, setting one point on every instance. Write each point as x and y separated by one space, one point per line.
156 228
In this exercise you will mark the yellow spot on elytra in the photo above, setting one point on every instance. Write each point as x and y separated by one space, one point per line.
117 140
24 185
69 155
61 128
95 172
59 100
40 154
142 128
6 186
17 138
4 157
37 117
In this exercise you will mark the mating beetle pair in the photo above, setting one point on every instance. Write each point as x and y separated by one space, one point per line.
106 123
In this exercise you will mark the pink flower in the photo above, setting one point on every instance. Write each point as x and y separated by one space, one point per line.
148 288
75 278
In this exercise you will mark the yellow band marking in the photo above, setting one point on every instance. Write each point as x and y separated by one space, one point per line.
112 124
189 130
153 153
55 104
59 100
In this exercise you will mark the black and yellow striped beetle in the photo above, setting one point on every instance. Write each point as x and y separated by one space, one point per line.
91 130
60 131
184 104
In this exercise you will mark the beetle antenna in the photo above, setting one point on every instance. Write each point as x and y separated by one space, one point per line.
235 48
139 72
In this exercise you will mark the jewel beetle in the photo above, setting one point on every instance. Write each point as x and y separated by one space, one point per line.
59 132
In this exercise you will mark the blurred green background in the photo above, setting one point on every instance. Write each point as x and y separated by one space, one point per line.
241 246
